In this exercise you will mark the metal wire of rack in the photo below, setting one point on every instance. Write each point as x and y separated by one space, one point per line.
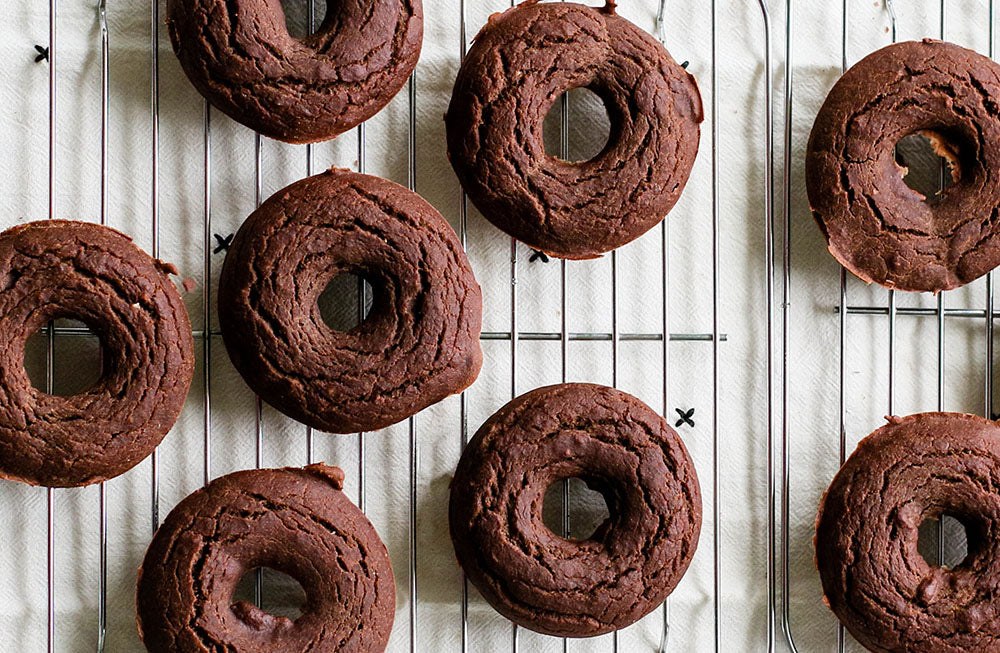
514 335
779 602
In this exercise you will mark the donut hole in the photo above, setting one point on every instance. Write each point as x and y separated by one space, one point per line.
955 540
930 163
76 362
589 127
297 17
281 595
588 508
340 303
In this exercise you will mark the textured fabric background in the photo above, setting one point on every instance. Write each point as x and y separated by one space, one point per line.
743 379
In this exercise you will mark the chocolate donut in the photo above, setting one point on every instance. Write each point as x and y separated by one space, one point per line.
62 269
877 226
240 56
420 341
875 580
521 62
296 521
620 448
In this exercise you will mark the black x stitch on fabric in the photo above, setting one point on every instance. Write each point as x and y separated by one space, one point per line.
224 243
43 54
686 416
538 255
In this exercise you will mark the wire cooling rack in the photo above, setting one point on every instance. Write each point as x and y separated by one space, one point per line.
656 344
875 317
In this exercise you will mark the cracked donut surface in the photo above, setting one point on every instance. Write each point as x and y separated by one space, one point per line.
296 521
420 340
620 448
874 578
521 62
875 225
83 271
240 56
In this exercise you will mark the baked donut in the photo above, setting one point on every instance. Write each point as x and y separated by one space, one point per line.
240 56
62 269
875 580
296 521
420 341
521 62
620 448
875 225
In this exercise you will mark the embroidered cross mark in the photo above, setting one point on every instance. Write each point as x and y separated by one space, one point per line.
43 54
686 416
536 255
223 243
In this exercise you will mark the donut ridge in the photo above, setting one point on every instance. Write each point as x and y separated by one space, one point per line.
620 448
241 57
419 342
874 578
66 269
521 62
875 225
297 521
